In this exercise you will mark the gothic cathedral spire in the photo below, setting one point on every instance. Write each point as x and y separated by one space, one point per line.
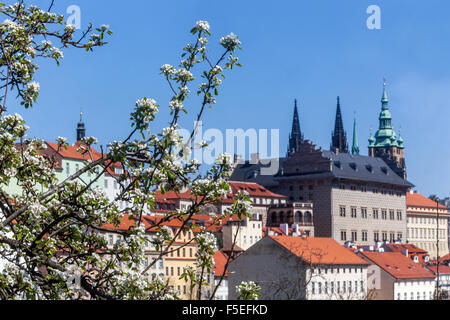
355 147
296 137
339 136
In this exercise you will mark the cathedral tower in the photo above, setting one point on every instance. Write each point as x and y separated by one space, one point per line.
339 136
385 143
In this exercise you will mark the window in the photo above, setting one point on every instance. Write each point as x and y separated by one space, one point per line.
392 237
320 287
364 236
384 235
342 211
313 287
178 271
405 296
171 271
353 209
342 186
190 252
364 213
354 236
391 214
184 252
332 287
362 286
399 215
67 168
106 184
343 235
353 188
384 214
375 213
376 236
111 239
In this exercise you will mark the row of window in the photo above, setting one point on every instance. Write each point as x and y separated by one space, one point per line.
338 270
155 265
393 215
425 220
181 253
252 239
337 287
374 190
418 295
376 236
425 233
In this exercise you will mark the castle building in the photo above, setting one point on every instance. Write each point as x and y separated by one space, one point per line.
356 198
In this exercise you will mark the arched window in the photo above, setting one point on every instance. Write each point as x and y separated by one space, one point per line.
274 217
289 217
298 217
308 217
281 219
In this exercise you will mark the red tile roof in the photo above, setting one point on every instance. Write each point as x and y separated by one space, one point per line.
254 189
220 260
319 250
72 153
411 248
398 265
445 258
442 269
418 200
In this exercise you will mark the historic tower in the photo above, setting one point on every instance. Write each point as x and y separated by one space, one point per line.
355 146
296 137
81 130
339 136
385 143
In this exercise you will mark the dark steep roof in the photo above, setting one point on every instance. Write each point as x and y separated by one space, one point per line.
345 166
365 168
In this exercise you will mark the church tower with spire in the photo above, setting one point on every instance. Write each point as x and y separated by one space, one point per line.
339 136
385 144
81 129
355 146
296 137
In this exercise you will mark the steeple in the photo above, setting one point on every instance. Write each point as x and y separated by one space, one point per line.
81 130
296 137
339 136
385 144
355 147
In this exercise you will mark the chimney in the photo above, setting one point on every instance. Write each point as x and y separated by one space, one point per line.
295 229
405 252
237 159
284 228
254 158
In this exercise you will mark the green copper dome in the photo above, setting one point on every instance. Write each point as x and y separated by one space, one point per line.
385 135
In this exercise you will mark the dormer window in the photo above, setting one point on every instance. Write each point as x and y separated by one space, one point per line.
118 170
353 166
338 164
369 168
384 170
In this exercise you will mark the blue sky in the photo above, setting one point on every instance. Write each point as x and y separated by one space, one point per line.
309 50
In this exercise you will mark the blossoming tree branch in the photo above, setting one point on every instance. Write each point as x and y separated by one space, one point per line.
53 227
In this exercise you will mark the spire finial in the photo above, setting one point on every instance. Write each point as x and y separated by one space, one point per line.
355 147
384 82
